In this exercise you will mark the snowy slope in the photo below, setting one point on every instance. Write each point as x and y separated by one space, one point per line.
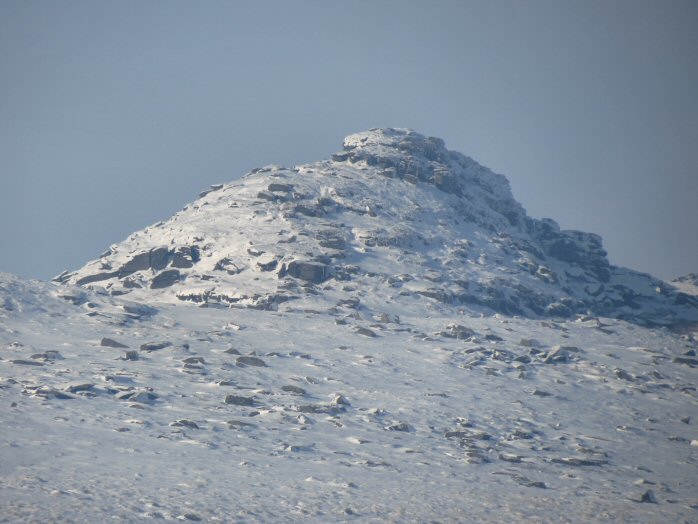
385 336
687 283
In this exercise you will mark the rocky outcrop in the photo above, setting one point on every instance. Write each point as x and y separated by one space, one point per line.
395 216
313 272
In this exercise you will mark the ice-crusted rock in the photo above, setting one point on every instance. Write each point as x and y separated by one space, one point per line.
395 217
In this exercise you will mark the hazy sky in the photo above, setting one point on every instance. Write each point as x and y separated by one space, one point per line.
115 114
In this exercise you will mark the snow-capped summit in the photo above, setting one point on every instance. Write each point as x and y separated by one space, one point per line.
394 217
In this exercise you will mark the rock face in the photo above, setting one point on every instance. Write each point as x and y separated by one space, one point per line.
395 215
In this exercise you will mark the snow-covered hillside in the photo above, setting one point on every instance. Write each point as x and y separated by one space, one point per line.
394 217
381 337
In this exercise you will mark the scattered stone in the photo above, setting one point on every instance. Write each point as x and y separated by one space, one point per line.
139 310
364 331
529 343
154 346
510 457
239 424
22 362
623 375
649 497
525 481
577 462
250 361
111 343
340 400
267 266
194 360
691 362
293 389
143 397
83 386
319 408
184 423
351 303
560 354
131 355
540 393
283 188
236 400
400 426
232 351
50 393
49 355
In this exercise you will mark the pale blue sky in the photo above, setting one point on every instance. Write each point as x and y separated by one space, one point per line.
113 115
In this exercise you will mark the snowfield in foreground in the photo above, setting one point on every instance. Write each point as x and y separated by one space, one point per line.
255 416
381 337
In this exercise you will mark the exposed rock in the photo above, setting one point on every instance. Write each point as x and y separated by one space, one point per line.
541 393
250 361
365 332
82 386
691 362
267 266
293 389
184 423
458 332
185 257
239 424
155 259
340 400
109 342
648 497
139 310
577 462
623 375
165 279
308 271
154 346
229 266
560 354
284 188
51 393
141 397
96 277
237 400
400 426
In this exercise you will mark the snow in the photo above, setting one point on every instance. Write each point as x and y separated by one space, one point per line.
389 389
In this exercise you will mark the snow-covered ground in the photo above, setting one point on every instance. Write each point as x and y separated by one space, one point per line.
408 425
384 337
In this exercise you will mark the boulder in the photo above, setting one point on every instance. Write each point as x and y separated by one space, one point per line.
154 346
283 188
237 400
155 259
185 257
165 279
250 361
111 343
308 271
